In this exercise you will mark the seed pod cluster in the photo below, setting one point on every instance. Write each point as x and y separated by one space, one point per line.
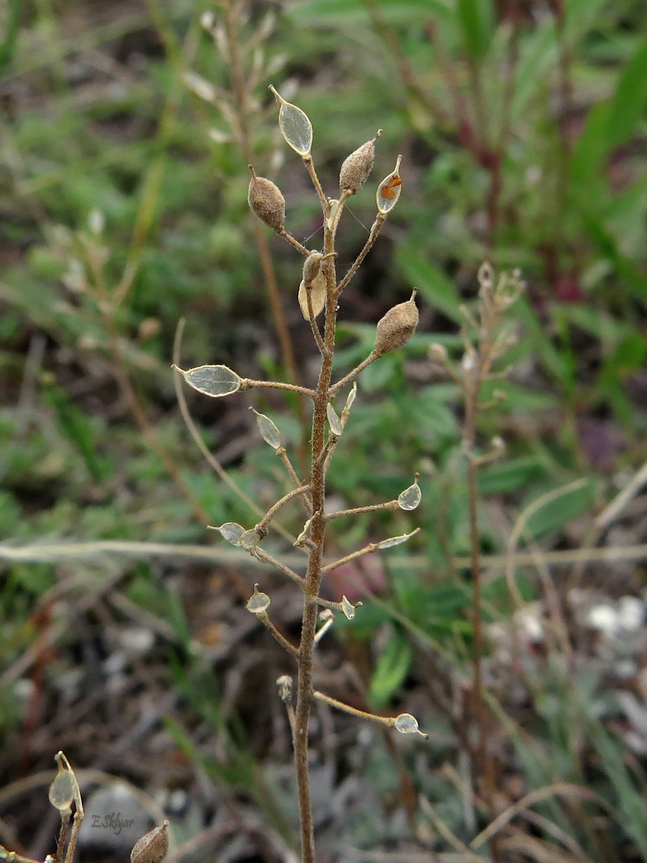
266 200
356 167
396 327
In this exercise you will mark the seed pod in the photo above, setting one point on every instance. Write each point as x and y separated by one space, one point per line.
152 847
312 267
356 167
396 327
266 200
317 290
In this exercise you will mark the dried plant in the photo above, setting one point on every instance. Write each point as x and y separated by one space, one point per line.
65 795
318 295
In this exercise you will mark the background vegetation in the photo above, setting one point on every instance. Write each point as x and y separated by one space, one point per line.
123 181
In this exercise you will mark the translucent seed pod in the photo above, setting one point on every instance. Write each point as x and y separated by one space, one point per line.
347 607
396 327
392 541
268 430
213 381
388 192
295 126
410 497
250 539
266 200
304 536
350 398
405 723
152 847
231 531
258 602
357 167
61 791
333 420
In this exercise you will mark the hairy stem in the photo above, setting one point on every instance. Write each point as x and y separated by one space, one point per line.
314 572
485 762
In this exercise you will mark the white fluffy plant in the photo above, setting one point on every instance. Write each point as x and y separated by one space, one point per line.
318 295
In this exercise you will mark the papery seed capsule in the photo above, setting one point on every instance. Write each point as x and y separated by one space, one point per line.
356 167
312 267
396 327
266 201
317 292
152 847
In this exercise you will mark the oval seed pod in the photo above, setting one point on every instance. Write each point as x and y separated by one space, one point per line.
356 167
410 497
396 327
317 296
152 847
312 267
259 602
61 791
295 126
389 190
266 200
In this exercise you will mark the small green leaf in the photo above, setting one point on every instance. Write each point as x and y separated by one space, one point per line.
513 474
434 286
391 669
630 98
477 22
559 512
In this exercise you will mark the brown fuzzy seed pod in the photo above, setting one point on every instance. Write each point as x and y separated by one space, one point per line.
356 167
152 847
266 201
396 327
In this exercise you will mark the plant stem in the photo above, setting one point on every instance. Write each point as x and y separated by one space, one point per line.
485 763
314 572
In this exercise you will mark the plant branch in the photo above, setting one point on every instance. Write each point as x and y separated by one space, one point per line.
282 640
248 383
350 377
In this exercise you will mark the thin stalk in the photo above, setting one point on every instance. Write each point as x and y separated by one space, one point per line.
317 536
374 507
248 383
484 757
350 377
368 245
282 640
269 515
